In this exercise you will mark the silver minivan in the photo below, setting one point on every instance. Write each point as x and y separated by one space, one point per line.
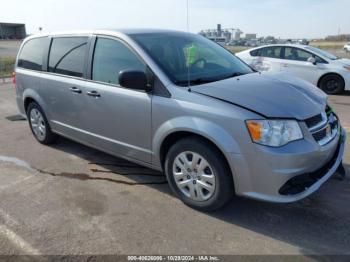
182 104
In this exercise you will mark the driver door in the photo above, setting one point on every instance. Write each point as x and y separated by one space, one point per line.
117 119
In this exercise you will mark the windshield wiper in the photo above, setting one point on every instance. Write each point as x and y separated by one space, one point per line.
235 74
196 81
201 80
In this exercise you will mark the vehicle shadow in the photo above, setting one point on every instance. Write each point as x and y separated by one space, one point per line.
345 93
102 166
319 224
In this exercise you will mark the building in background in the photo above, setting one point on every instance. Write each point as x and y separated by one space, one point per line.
225 35
12 31
250 36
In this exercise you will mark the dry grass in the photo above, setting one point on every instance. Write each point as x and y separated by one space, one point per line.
6 66
328 44
236 49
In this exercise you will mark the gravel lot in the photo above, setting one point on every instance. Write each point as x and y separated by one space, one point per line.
70 199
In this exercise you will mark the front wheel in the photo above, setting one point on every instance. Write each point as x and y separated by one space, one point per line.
198 174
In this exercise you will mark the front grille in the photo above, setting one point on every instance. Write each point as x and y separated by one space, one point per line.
323 127
313 121
319 135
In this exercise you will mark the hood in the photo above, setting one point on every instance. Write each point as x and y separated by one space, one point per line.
342 62
269 94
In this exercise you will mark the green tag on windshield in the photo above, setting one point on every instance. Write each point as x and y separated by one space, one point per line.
192 53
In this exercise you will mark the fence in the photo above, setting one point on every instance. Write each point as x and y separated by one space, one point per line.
6 67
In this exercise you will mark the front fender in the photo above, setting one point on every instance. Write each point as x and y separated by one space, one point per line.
202 127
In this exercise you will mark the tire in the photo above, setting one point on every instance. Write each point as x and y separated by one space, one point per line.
216 175
332 84
39 125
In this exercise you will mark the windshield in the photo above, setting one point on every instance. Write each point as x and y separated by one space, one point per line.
322 53
189 59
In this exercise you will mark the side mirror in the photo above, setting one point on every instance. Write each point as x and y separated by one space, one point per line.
134 80
312 60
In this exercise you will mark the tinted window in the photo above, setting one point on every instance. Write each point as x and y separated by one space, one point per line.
111 57
67 56
322 53
296 54
272 52
190 59
255 52
31 56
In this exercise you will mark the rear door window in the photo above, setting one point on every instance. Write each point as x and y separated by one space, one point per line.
272 52
31 56
67 55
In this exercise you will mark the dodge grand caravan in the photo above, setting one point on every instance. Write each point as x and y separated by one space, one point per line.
179 103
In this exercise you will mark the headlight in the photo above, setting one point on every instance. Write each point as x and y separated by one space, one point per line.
347 68
274 132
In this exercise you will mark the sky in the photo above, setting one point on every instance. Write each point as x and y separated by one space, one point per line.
279 18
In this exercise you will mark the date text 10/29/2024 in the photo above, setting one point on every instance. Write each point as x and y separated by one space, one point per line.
173 258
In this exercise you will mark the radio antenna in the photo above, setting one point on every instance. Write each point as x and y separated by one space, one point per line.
188 27
188 49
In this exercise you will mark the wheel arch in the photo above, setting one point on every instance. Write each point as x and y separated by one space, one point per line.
172 138
31 95
27 101
170 133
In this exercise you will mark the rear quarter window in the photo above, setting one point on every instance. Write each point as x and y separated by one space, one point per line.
31 56
254 52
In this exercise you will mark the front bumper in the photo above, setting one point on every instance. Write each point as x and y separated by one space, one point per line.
277 174
347 80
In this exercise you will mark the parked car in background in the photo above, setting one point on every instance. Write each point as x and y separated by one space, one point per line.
303 42
180 103
321 68
347 47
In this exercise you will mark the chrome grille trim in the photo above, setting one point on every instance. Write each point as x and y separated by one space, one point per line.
322 126
329 138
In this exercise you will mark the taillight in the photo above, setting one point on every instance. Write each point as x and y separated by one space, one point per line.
14 78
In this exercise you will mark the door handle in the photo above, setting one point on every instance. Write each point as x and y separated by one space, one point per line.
285 65
75 90
93 94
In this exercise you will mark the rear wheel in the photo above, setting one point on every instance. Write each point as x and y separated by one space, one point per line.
332 84
39 125
198 174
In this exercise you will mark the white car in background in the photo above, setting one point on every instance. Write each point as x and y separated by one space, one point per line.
327 71
347 47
